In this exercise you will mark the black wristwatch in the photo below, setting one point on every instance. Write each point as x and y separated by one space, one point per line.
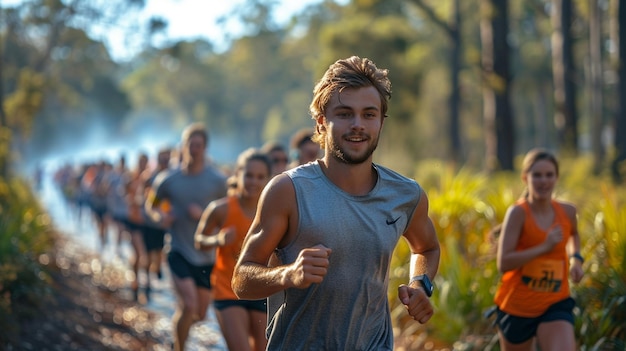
425 282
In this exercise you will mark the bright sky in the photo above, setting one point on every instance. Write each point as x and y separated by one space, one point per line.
198 17
188 19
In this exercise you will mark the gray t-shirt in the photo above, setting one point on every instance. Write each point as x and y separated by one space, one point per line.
182 190
349 310
116 194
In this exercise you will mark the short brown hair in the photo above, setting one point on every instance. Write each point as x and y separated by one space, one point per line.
353 72
301 137
196 129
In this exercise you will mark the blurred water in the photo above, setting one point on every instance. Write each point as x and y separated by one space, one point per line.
204 335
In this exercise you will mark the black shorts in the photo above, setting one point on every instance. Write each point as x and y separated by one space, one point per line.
99 211
517 330
119 219
181 268
250 305
133 227
153 238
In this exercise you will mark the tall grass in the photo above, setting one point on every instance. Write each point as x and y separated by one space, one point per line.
464 207
601 322
25 239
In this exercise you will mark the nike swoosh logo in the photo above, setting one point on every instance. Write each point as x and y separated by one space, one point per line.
392 221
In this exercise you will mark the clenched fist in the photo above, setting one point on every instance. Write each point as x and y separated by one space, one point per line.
310 267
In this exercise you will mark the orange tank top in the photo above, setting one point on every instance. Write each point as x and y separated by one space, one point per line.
529 290
226 256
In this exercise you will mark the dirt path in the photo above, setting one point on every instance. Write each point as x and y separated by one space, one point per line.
90 307
85 310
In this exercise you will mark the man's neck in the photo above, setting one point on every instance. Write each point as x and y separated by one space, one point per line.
194 167
355 179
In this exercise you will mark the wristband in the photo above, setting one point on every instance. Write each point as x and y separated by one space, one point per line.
578 256
221 239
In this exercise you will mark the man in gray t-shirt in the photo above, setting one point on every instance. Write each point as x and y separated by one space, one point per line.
177 201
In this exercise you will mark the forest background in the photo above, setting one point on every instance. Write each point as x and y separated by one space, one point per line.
475 85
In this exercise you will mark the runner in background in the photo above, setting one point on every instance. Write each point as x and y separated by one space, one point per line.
224 225
135 224
538 251
189 189
305 149
153 232
278 155
117 207
94 185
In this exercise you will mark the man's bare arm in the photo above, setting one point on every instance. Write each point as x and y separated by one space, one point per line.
423 241
254 276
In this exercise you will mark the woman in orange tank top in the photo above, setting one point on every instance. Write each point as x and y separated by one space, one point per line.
224 224
538 251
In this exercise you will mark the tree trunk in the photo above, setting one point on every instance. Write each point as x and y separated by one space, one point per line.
565 115
498 117
620 122
596 83
454 99
541 117
455 93
5 131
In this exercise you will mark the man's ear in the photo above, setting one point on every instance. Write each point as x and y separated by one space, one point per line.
320 126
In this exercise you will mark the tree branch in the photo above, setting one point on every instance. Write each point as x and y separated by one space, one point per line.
433 17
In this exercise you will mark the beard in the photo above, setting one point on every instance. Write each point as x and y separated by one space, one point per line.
343 156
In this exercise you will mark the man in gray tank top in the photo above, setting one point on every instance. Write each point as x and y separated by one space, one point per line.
187 190
321 243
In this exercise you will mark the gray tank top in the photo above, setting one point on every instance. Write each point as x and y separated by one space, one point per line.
349 310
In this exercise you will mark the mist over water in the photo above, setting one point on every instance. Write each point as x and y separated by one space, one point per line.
101 142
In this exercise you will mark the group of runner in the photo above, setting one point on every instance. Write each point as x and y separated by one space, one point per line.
113 195
159 201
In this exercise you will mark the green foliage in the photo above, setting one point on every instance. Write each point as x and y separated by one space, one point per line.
601 313
25 239
22 105
601 322
465 292
56 78
467 274
465 207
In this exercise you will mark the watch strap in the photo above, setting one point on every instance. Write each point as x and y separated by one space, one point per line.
425 283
